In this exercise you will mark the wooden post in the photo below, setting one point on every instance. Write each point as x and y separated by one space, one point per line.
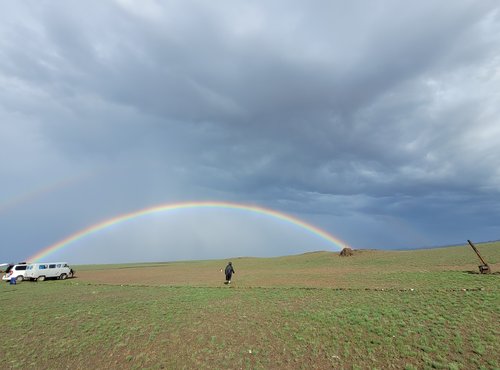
484 268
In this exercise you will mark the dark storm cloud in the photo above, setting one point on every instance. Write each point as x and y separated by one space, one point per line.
367 111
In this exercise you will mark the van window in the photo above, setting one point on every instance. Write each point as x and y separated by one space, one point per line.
22 267
42 267
58 265
52 266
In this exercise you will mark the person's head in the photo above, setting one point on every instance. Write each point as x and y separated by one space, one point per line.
230 263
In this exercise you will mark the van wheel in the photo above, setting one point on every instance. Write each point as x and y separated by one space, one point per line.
41 278
19 279
63 276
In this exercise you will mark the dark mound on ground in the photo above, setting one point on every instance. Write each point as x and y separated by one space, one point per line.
346 252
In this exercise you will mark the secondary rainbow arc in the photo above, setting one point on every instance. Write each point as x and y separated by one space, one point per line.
185 205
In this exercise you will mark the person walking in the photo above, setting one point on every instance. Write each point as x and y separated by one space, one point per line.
229 272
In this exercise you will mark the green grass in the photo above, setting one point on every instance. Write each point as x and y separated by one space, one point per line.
370 319
59 324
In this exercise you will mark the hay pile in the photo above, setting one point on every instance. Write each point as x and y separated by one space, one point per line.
346 252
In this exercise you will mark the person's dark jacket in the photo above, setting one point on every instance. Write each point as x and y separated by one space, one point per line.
229 270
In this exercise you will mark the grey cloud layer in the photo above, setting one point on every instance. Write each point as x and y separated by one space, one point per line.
376 108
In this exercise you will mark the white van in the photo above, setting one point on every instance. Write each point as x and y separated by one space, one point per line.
53 270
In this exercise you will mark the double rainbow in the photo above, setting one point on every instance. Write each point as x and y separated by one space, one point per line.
45 252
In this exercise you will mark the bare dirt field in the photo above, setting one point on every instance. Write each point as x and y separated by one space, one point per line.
447 268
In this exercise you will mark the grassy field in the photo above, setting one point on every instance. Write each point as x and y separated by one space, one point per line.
402 310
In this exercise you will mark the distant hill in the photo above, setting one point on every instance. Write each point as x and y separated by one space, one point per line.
447 245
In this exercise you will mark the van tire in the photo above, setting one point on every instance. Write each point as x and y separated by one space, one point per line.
19 279
41 278
63 276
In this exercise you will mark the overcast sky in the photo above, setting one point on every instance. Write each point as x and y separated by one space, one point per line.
377 121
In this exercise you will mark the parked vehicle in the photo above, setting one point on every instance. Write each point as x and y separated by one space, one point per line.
16 271
53 270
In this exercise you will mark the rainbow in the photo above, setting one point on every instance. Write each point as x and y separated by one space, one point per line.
45 252
44 190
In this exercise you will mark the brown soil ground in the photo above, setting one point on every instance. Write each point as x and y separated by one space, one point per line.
322 270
